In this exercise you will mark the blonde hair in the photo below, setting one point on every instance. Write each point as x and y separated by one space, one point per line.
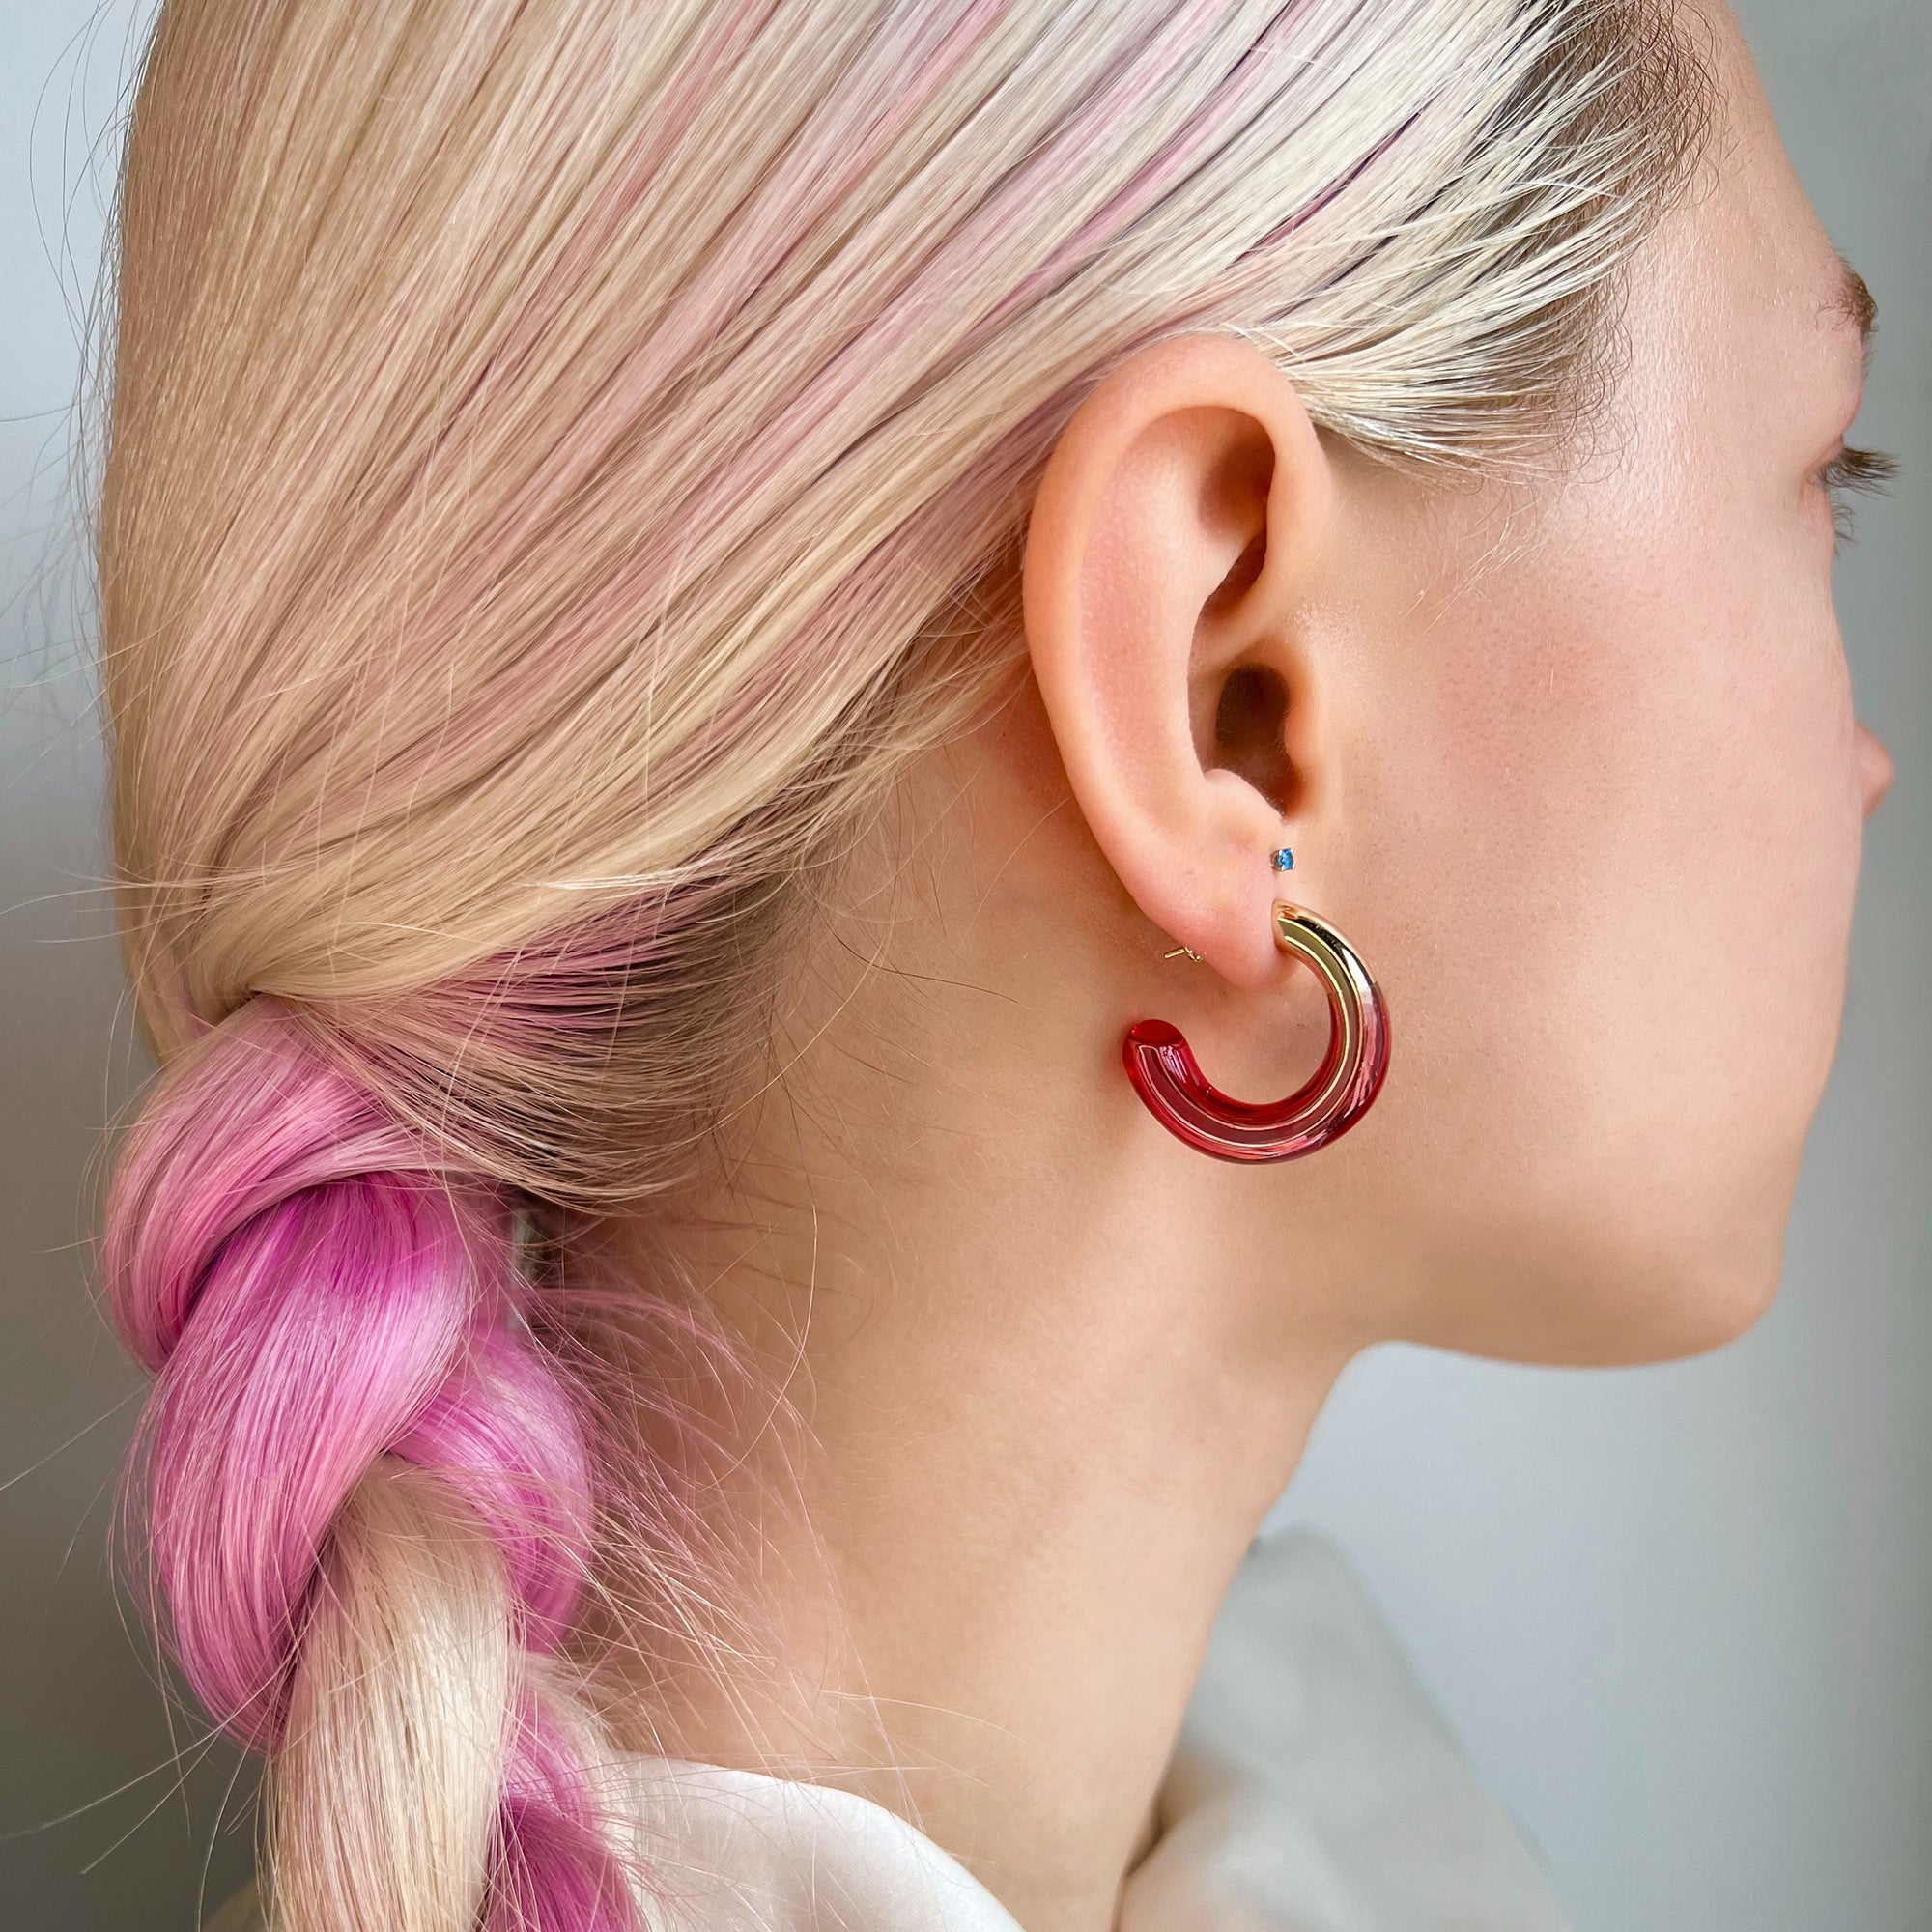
566 457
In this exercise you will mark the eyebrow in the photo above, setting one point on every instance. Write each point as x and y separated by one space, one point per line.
1852 299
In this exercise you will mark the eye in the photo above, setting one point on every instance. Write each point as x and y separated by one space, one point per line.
1853 472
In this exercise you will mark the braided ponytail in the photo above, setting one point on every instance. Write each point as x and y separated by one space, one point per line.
565 463
365 1491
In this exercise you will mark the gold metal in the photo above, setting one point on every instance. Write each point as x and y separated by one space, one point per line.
1182 953
1312 940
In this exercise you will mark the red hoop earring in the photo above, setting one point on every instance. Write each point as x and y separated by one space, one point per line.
1167 1077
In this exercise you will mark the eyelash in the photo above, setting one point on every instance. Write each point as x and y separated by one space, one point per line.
1861 470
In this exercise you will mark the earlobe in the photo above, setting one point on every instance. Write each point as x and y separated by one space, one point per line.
1170 546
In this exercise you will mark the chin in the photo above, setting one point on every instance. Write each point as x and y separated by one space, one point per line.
1665 1277
1703 1265
1665 1316
1715 1306
1705 1290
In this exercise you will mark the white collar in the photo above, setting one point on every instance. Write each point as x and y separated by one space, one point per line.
1313 1790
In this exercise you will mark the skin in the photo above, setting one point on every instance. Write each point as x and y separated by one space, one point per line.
1575 769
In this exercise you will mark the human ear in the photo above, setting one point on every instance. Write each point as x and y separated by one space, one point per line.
1171 541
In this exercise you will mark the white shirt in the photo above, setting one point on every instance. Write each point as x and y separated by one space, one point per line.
1313 1790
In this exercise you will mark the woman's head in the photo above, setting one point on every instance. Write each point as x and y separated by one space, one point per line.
580 670
1574 765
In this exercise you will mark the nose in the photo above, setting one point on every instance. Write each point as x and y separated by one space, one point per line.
1876 771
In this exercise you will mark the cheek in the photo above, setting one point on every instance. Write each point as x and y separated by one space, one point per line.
1628 839
1736 791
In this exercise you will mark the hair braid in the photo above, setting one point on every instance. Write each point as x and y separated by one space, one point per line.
365 1490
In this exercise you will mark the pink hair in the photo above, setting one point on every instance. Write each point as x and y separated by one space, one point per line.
315 1294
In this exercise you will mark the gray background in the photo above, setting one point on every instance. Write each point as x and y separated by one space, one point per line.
1681 1617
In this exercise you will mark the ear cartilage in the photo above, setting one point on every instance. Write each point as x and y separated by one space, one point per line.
1284 861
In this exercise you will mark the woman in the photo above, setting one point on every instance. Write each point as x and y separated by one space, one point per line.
728 629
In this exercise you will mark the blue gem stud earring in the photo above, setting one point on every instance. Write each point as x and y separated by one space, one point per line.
1284 861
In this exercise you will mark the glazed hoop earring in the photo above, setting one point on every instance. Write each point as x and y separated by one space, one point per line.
1169 1079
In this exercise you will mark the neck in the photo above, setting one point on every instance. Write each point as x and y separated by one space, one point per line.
1025 1476
1048 1371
